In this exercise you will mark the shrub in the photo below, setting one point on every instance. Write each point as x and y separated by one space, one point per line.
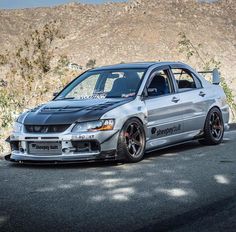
30 77
91 63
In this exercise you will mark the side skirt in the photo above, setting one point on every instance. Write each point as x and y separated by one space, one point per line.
170 145
187 137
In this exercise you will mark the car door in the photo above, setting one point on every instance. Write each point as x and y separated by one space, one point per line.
164 109
193 99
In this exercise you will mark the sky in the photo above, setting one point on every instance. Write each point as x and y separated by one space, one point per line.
13 4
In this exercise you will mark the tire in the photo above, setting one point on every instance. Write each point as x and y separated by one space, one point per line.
214 128
132 141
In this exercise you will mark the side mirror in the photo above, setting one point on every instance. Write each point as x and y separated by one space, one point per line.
144 94
215 77
55 94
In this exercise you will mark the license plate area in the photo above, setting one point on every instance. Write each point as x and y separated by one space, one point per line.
44 148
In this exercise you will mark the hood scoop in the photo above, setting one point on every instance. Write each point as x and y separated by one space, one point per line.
67 109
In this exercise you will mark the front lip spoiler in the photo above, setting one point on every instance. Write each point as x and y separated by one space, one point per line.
30 162
101 158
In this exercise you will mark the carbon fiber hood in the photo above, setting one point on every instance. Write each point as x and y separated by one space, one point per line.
70 111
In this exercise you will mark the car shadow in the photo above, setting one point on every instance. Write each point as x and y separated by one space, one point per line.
179 148
101 164
174 149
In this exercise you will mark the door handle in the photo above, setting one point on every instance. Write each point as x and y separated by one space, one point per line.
202 94
175 99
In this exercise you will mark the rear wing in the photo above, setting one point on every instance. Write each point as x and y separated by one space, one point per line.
215 76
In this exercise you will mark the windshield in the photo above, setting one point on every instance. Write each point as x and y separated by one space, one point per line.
104 84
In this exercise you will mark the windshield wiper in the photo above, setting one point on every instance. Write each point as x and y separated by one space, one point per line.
64 98
113 96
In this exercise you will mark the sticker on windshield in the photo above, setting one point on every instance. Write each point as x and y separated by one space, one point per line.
128 95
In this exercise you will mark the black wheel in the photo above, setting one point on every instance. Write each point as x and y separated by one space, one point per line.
214 128
132 141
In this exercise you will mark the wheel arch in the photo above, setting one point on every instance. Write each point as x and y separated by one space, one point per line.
140 120
122 151
135 117
212 107
208 137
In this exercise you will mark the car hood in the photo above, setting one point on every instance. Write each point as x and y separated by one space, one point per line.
70 111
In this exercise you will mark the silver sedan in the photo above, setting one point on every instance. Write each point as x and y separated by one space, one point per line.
122 112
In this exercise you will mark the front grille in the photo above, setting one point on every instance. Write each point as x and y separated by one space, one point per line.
46 128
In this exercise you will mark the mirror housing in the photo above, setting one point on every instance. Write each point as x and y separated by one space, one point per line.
144 94
215 77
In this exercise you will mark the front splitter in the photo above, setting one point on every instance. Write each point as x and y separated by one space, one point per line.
103 157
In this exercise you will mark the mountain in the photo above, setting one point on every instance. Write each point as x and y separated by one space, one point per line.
37 44
134 31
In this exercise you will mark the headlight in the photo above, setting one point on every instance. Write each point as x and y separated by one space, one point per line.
17 127
101 125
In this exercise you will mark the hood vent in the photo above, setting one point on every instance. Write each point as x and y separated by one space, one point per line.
68 109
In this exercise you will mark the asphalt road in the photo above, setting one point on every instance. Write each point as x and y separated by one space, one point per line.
185 188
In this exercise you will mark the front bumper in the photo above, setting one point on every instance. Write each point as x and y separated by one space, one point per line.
104 148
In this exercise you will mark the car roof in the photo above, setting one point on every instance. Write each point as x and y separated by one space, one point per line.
134 65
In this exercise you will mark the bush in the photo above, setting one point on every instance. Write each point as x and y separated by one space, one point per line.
91 63
30 79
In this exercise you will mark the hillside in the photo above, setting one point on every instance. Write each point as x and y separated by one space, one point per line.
37 44
134 31
138 30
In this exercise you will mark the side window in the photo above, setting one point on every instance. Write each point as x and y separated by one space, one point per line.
185 80
160 84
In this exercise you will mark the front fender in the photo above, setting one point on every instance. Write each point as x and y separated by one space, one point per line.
121 114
